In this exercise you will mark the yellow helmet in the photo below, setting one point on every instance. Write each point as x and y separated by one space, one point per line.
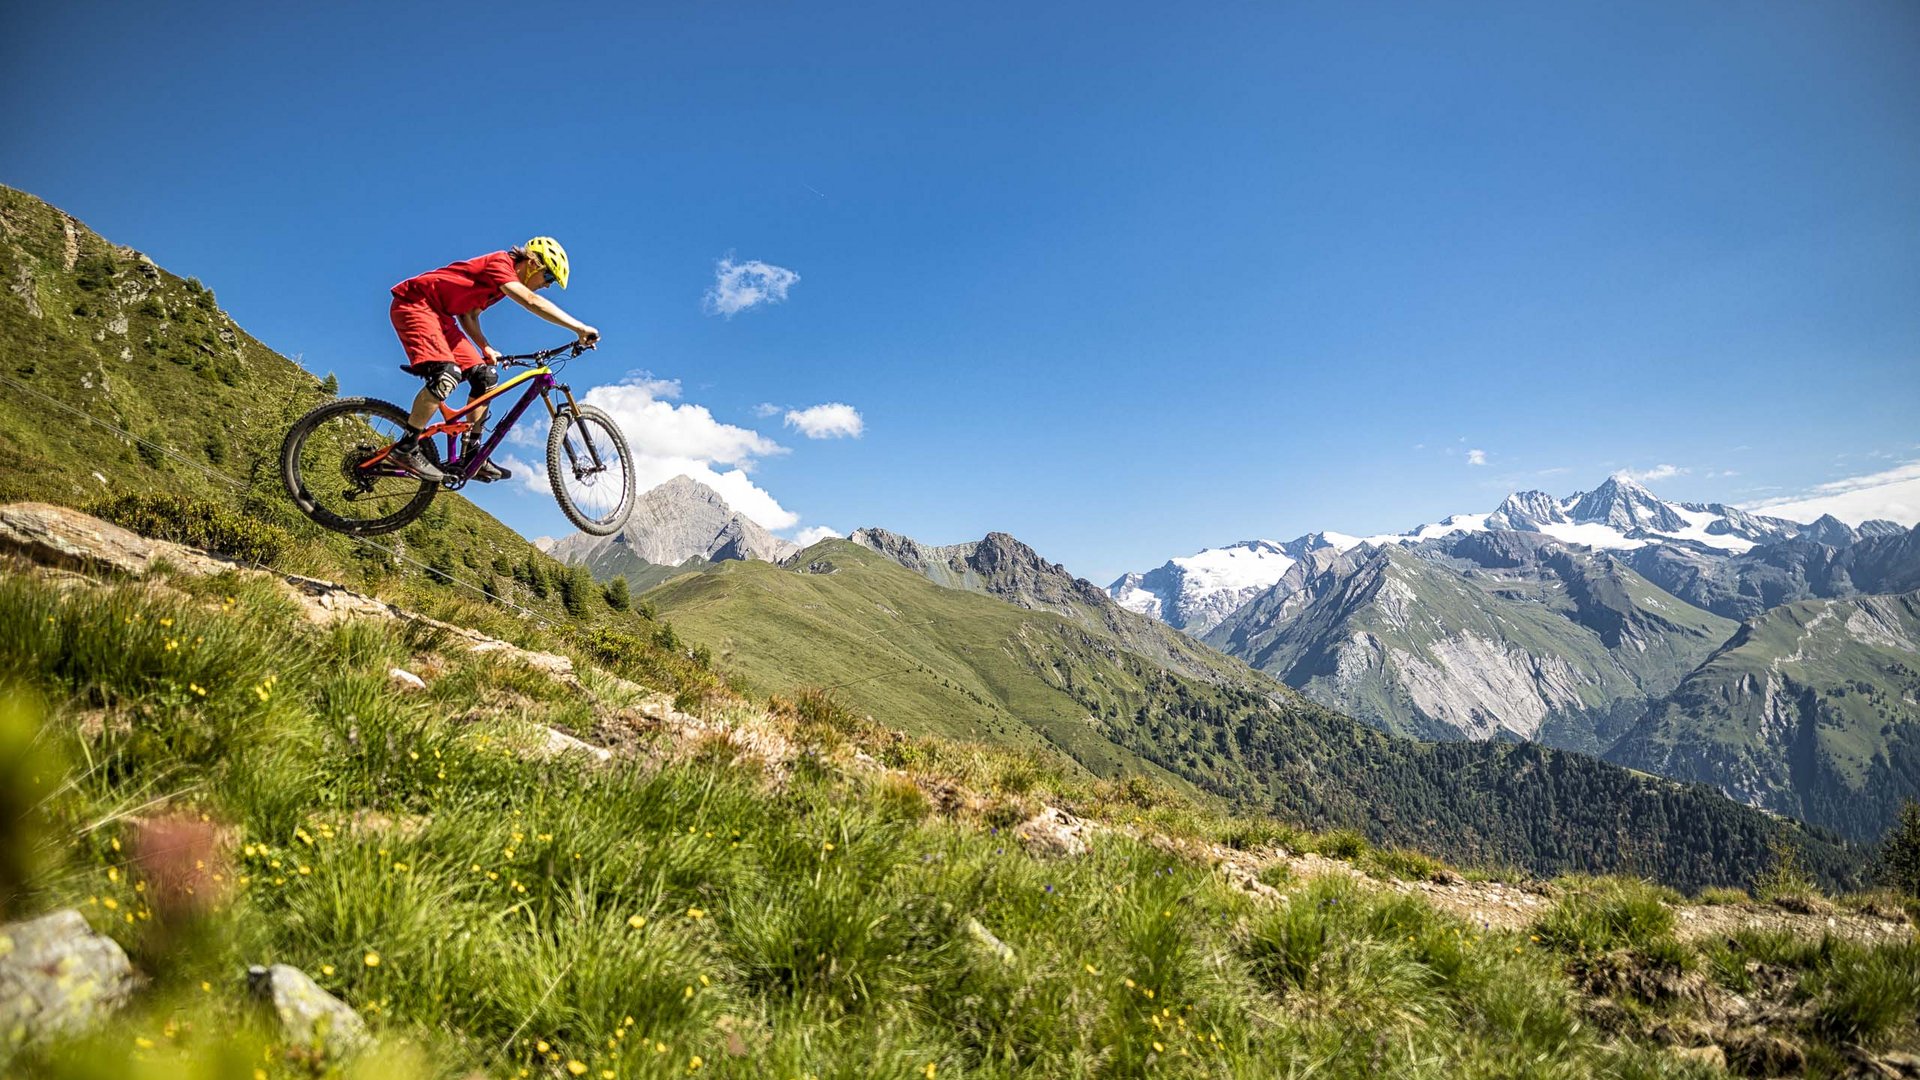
547 251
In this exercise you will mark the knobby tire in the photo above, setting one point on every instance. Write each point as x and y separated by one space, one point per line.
304 498
606 436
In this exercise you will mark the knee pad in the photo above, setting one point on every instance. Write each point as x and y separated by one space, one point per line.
442 381
482 378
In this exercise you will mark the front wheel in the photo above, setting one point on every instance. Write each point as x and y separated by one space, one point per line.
591 470
331 463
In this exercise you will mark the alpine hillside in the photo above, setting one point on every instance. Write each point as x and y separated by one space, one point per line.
1811 710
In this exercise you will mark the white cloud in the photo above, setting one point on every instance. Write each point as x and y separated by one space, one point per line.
766 409
1658 472
1476 457
830 421
1893 495
670 439
738 286
813 534
656 427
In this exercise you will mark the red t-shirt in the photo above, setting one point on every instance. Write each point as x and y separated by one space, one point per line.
460 288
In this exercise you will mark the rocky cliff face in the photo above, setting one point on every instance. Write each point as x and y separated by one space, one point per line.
681 519
1483 635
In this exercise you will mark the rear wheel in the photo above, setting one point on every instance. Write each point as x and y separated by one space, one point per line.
324 465
591 470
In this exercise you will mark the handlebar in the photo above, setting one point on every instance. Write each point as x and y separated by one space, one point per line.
534 359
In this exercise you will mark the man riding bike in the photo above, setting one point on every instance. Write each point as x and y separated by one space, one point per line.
437 315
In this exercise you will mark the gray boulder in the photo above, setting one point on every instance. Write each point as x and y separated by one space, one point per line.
309 1016
57 975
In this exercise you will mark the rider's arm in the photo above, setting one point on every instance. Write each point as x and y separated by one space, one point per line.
470 326
548 310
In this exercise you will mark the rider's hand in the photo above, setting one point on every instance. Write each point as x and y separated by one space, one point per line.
492 354
589 336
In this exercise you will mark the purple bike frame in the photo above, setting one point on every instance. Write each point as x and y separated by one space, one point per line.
538 385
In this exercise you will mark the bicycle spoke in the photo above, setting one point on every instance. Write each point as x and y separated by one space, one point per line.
598 491
329 465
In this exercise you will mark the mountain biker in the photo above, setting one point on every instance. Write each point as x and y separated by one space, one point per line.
437 315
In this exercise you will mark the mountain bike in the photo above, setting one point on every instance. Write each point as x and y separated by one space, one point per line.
334 458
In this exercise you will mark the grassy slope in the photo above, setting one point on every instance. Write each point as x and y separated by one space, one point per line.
937 661
488 912
153 354
1812 710
942 661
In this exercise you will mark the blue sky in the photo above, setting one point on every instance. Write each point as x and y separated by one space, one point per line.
1124 280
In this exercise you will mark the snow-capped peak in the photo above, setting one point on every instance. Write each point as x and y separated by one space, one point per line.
1196 592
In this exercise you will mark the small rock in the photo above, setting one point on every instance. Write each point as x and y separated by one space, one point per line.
309 1016
1709 1055
559 743
978 932
1053 832
1899 1064
57 975
403 679
1446 876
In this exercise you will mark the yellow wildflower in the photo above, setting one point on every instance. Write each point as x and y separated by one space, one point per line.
694 1063
542 1046
326 969
372 958
636 921
1091 970
696 913
576 1067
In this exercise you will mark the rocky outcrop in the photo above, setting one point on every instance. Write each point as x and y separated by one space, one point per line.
679 520
57 976
1054 832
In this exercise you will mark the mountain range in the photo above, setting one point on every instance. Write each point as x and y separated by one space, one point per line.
988 641
1605 622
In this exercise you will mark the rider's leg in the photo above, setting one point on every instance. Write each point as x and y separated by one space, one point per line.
441 379
424 405
480 379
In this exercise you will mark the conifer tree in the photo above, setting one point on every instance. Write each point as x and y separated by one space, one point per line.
1900 852
619 598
